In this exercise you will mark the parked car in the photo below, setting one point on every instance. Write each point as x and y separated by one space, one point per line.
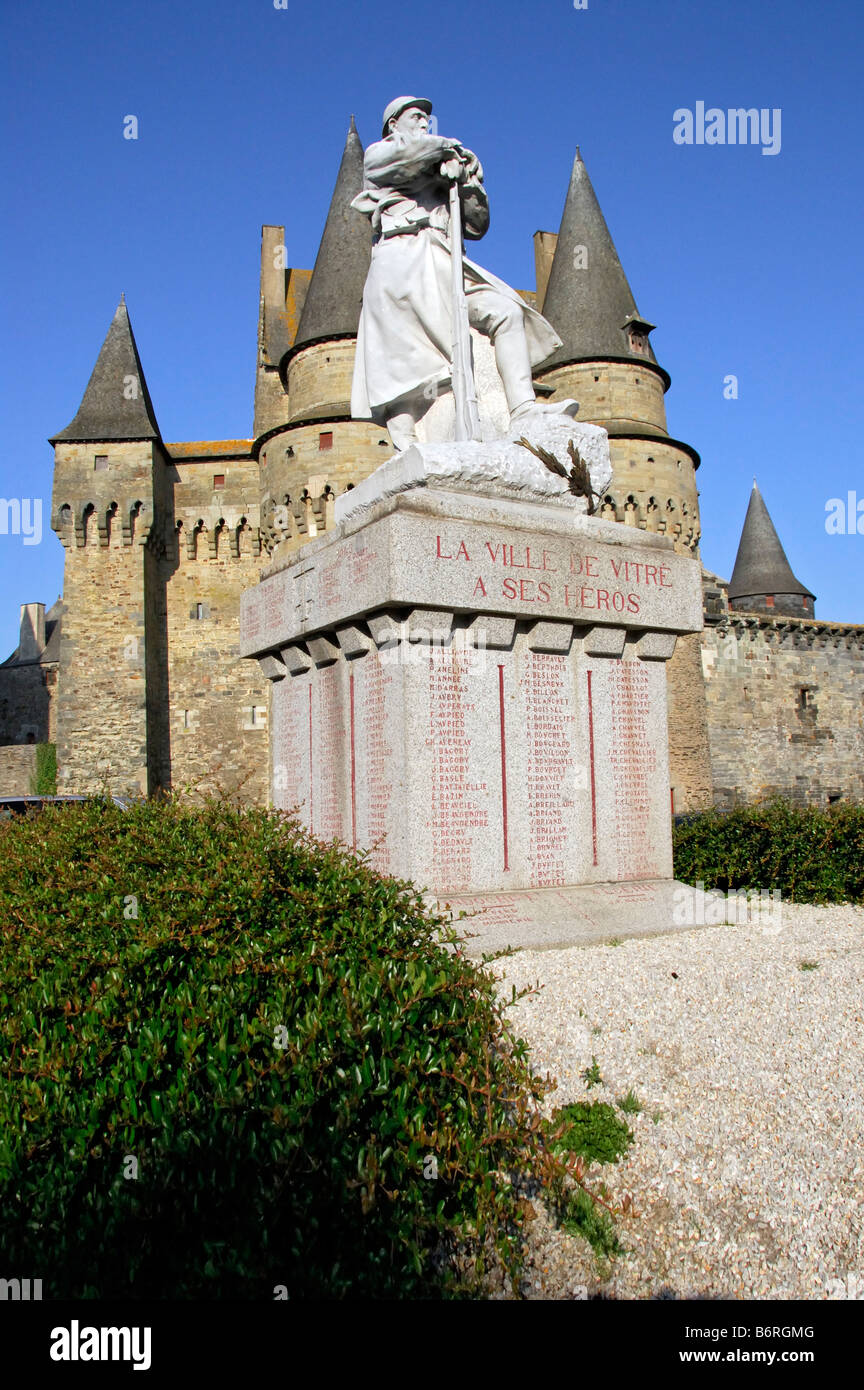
20 805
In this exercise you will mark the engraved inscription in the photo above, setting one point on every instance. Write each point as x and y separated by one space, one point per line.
634 765
331 751
377 767
454 813
549 728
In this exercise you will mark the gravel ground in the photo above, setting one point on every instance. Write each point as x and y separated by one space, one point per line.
747 1167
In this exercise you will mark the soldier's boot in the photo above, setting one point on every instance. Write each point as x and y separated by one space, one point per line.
514 368
402 429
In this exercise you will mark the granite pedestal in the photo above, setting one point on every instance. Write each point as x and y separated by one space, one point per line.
473 688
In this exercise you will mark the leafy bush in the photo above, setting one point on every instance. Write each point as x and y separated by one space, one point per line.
811 855
279 1040
44 780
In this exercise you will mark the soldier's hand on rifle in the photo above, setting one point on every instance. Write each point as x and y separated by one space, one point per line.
470 163
452 170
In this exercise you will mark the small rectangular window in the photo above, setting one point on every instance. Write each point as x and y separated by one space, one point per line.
100 461
769 600
218 480
325 440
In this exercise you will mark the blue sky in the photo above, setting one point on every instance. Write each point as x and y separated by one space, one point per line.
748 263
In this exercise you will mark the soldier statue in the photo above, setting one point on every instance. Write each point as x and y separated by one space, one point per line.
406 332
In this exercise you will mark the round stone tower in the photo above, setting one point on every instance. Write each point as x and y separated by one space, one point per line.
762 579
308 446
607 363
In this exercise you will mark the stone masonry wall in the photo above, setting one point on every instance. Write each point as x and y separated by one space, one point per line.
102 714
319 378
785 710
689 754
217 706
17 770
26 704
609 391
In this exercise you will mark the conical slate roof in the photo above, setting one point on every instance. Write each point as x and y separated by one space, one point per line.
588 307
332 305
116 404
761 566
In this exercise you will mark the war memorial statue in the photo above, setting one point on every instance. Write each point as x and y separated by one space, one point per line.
405 341
469 668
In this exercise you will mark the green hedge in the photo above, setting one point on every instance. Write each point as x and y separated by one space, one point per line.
278 1038
811 855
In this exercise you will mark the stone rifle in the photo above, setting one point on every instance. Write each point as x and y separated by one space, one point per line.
462 372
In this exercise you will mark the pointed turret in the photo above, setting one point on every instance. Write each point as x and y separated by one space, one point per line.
762 580
116 404
332 306
588 300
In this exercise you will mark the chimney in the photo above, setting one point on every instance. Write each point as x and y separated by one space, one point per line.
544 254
32 642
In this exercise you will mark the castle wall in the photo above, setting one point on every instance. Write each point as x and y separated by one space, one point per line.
319 379
689 753
102 697
785 708
217 706
17 770
26 704
300 479
608 391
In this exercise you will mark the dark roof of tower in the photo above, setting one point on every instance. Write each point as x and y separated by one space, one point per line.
332 305
761 566
589 307
109 409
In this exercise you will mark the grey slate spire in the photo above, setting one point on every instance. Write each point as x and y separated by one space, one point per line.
116 404
589 306
761 568
332 306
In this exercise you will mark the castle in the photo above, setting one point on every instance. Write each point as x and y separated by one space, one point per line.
136 674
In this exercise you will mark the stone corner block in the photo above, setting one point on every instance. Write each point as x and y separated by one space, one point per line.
486 630
296 658
656 646
386 628
323 650
272 668
428 625
551 637
354 639
604 641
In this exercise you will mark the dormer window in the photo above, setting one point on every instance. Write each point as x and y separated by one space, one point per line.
637 330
